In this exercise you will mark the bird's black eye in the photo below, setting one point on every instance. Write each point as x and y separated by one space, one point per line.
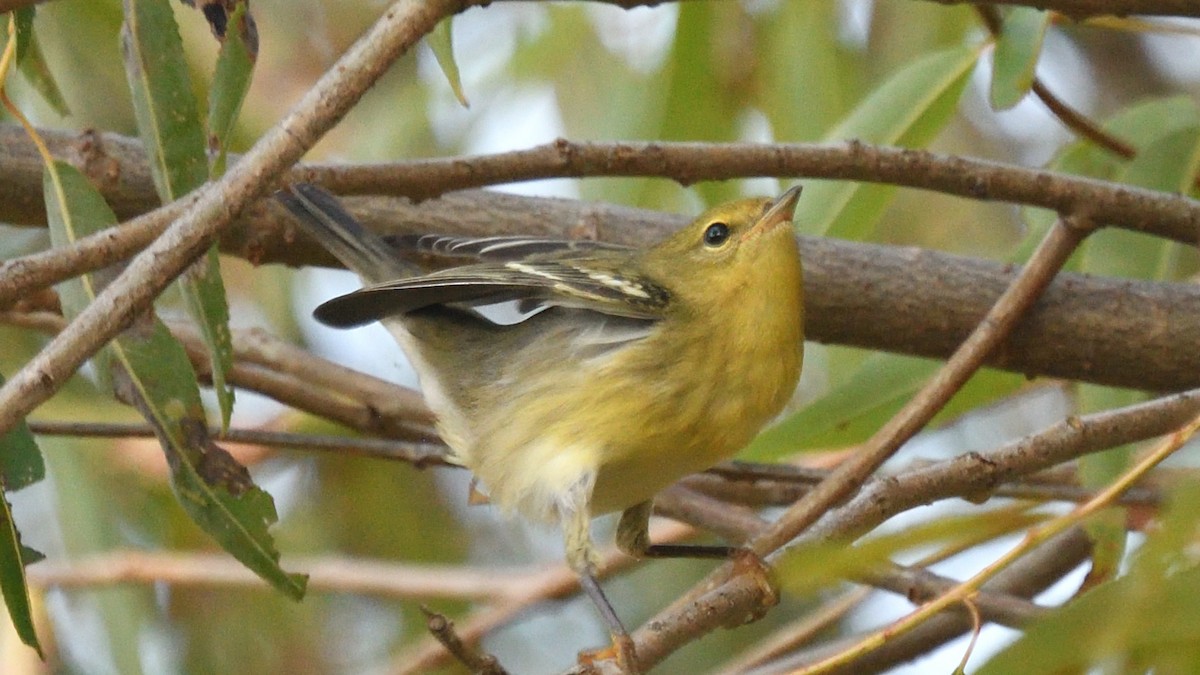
716 234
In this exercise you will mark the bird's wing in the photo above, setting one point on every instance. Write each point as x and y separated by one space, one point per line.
534 284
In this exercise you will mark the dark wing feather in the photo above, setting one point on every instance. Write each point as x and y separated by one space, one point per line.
497 249
532 283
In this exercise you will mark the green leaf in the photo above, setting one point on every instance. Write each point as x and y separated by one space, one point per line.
1167 162
169 125
32 63
215 490
705 92
1139 125
20 465
882 380
168 118
75 209
231 81
909 109
150 369
21 462
807 81
204 293
13 558
442 44
1107 628
23 24
805 569
866 396
1016 55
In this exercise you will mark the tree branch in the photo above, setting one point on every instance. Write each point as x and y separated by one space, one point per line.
1122 333
990 332
217 204
117 164
1082 9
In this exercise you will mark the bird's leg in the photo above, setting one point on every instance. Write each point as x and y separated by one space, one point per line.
581 556
633 537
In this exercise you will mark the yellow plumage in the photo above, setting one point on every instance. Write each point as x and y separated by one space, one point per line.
633 369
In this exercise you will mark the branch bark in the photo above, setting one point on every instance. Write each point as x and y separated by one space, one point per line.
1117 332
217 204
118 165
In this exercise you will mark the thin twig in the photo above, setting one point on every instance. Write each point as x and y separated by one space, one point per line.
1164 214
442 629
1082 9
1174 216
418 454
1071 118
1044 567
761 485
326 573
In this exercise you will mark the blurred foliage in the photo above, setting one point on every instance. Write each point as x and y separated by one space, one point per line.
900 73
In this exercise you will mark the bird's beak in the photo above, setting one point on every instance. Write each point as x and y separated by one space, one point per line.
780 211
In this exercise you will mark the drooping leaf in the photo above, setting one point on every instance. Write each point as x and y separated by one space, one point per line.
168 118
13 558
909 109
169 125
215 490
150 369
32 63
1017 51
231 81
441 42
20 465
204 293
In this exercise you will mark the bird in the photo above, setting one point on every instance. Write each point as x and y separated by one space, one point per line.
578 378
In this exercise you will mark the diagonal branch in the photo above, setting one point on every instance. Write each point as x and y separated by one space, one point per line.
736 596
1060 242
217 204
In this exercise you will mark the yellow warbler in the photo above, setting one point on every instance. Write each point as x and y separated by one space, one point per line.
626 370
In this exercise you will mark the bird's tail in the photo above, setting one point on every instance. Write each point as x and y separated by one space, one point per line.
323 218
